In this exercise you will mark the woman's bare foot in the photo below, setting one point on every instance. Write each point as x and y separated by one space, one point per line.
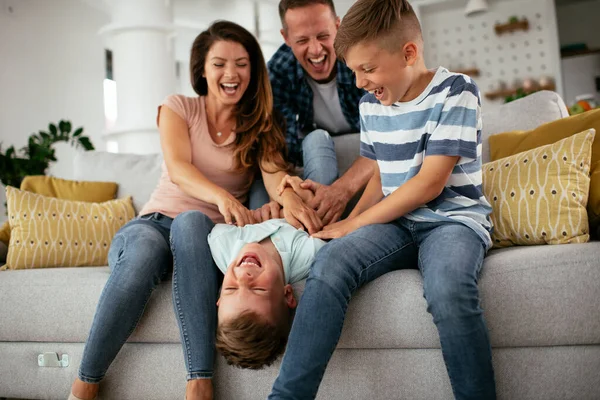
85 391
199 389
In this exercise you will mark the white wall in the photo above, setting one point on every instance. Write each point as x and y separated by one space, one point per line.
459 42
578 22
51 68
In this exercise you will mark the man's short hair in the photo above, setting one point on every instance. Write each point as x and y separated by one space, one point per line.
391 22
285 5
251 341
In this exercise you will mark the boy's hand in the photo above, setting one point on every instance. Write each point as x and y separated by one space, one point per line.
271 210
329 201
298 214
338 229
295 182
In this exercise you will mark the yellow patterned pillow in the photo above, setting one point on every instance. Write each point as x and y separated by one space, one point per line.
539 196
48 232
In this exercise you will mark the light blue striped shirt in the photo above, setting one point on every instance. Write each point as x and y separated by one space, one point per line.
443 120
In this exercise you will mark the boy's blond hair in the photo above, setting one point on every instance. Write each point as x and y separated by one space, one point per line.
251 341
391 22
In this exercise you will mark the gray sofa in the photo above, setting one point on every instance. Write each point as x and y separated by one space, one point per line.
542 306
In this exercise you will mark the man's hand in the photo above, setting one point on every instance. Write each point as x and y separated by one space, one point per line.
298 214
271 210
329 201
338 229
294 182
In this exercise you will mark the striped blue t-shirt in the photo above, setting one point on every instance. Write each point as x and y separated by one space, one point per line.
443 120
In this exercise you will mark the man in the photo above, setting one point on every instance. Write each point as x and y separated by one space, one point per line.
318 97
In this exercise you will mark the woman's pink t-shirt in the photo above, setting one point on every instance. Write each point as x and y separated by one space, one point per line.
214 161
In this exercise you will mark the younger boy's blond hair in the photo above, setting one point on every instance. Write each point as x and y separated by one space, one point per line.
251 341
392 23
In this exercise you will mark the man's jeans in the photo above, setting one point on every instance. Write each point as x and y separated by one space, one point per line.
320 165
140 257
449 256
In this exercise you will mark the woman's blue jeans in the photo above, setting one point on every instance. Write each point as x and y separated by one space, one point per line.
142 254
449 257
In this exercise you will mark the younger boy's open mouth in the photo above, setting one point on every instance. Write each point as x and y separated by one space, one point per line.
250 260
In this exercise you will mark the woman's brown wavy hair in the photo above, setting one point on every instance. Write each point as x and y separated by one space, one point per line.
259 140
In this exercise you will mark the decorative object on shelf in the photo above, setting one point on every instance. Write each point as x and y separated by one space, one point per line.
546 81
530 85
583 103
35 158
475 7
469 71
523 89
514 24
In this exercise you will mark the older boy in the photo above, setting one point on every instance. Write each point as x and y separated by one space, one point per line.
424 205
317 95
259 262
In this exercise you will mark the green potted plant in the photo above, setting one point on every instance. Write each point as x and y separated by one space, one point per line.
35 157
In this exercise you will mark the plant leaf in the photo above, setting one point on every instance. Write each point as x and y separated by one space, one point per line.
86 143
78 132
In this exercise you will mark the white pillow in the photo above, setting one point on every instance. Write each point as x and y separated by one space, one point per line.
136 174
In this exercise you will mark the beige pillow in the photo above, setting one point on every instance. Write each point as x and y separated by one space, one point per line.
48 232
539 196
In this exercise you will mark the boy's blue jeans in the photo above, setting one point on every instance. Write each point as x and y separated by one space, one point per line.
449 256
320 165
140 257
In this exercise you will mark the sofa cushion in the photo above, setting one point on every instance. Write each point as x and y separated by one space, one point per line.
47 232
136 174
63 189
526 113
531 296
510 143
539 196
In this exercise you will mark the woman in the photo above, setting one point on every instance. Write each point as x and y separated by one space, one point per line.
212 146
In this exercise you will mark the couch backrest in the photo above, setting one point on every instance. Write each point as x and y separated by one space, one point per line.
136 174
523 114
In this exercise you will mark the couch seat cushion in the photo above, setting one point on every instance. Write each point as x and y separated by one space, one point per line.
532 296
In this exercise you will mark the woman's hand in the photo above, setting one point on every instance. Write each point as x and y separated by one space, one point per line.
271 210
233 211
294 182
298 214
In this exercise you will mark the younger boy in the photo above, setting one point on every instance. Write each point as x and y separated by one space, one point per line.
423 208
259 262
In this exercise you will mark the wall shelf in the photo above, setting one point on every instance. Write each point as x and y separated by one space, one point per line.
575 53
509 92
522 25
